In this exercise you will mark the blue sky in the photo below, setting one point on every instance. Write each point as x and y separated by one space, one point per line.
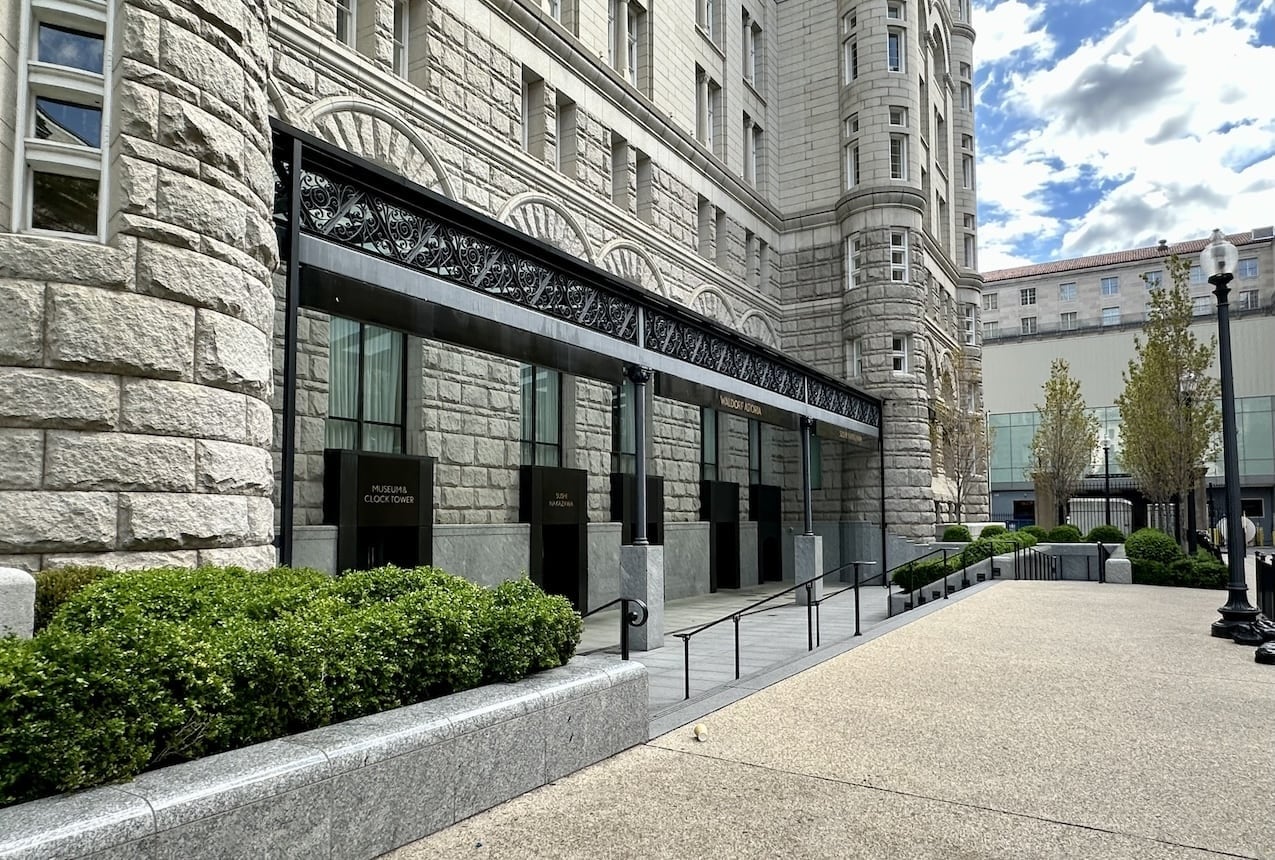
1110 124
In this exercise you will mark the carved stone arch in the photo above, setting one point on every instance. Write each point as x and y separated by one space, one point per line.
374 132
546 220
626 259
941 51
757 325
711 303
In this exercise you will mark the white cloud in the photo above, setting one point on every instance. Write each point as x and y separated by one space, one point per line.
1171 114
1009 27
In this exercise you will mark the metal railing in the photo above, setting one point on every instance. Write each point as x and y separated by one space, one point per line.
814 637
1032 564
628 618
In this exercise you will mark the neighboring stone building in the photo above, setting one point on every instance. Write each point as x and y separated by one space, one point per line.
801 172
1088 311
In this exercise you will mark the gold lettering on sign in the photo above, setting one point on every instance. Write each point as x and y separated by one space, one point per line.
561 500
738 404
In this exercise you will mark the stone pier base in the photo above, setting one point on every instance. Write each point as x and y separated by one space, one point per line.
642 576
808 565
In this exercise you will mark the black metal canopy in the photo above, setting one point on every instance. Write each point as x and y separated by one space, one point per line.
374 246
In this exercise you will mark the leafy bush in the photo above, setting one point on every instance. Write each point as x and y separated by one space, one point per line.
1105 534
1201 571
57 586
910 577
1037 532
147 667
956 533
914 575
1065 533
1152 545
993 530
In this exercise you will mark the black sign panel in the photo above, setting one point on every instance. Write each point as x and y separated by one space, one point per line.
552 496
388 492
832 432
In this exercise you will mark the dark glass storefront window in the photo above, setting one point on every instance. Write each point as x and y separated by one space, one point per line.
708 445
541 420
623 441
755 472
366 374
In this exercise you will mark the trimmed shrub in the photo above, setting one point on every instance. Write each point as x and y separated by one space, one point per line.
1152 545
150 667
1065 533
1105 534
1037 532
993 530
956 533
57 586
910 577
1202 571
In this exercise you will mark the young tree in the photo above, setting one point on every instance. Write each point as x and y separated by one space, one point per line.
1169 416
962 429
1066 436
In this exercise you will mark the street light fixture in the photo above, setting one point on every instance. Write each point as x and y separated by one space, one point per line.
1239 619
1106 476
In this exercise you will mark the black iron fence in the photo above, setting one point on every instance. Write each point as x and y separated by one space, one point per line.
1032 564
1266 584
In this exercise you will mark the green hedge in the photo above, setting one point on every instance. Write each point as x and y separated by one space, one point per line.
1105 534
1065 533
956 533
1040 533
912 576
57 586
1202 571
993 530
145 668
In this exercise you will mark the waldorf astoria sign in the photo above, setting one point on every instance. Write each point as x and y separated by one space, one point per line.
722 401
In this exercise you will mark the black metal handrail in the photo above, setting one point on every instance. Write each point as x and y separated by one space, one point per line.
1032 564
628 618
813 637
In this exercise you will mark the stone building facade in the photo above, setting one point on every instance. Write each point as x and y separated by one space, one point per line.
798 170
1088 310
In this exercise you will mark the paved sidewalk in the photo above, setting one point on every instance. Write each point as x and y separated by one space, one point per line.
775 636
1025 720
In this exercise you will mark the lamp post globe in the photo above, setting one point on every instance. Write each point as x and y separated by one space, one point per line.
1239 619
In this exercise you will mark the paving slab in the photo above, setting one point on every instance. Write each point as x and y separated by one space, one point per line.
1025 720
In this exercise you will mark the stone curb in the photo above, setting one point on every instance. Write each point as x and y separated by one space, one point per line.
354 789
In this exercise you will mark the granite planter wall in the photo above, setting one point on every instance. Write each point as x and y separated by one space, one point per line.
354 789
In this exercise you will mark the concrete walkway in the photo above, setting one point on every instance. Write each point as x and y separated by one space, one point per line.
773 637
1024 720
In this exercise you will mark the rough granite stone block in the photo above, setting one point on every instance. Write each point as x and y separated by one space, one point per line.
17 603
73 825
642 576
498 762
397 800
808 564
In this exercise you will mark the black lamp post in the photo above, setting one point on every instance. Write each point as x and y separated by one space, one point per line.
1106 477
1238 619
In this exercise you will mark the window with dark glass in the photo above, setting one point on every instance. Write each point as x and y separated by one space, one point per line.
623 431
540 427
67 204
367 369
708 445
756 475
816 462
